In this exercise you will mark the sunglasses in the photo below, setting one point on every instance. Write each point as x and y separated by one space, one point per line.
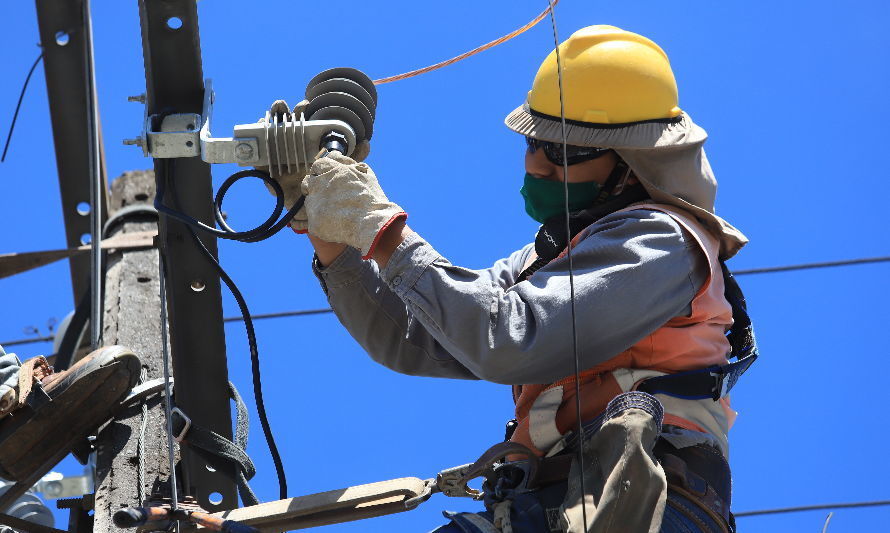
574 154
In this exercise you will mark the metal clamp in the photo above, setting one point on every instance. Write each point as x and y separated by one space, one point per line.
185 429
451 482
282 145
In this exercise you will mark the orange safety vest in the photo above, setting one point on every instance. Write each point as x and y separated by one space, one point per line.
546 412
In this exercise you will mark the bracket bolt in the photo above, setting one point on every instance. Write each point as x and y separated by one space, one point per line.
138 141
137 98
243 151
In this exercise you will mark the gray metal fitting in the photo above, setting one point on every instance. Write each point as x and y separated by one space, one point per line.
138 141
137 98
244 152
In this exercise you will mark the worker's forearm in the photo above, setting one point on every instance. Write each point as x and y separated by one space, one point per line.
389 240
378 320
326 251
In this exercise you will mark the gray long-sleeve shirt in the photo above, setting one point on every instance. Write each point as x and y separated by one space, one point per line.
421 315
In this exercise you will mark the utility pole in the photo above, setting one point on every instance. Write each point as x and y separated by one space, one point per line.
132 450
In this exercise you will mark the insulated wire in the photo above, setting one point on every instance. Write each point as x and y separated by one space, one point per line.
255 367
248 324
19 105
472 52
565 181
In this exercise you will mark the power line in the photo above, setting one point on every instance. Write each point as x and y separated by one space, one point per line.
282 314
325 310
47 338
19 105
262 316
822 507
806 266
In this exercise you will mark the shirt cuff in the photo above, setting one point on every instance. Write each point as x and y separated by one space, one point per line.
342 271
408 262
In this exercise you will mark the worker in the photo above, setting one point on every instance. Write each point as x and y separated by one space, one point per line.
43 413
649 298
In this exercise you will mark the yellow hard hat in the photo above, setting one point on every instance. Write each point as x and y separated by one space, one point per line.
609 76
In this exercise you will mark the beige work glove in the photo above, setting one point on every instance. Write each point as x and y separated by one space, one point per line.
345 204
290 183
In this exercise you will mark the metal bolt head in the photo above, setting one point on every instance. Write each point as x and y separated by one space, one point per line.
138 141
137 98
53 489
243 151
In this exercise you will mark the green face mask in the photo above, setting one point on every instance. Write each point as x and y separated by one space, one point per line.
545 199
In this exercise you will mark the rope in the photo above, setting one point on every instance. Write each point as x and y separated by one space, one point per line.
472 52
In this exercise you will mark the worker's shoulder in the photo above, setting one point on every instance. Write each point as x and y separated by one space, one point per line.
647 225
643 218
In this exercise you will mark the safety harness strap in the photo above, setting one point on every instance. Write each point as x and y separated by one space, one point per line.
212 446
713 382
716 381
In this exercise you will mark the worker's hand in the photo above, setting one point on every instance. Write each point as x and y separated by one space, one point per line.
290 183
345 204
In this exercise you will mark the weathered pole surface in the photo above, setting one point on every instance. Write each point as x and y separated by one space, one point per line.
132 318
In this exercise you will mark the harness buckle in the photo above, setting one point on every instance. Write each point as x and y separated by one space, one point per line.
185 429
721 384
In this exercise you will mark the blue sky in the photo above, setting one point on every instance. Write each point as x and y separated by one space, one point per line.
792 94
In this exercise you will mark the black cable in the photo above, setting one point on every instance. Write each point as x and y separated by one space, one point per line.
821 507
248 324
19 105
262 232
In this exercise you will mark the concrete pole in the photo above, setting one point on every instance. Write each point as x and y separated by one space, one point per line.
127 472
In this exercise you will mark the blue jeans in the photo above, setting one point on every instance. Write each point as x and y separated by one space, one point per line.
529 514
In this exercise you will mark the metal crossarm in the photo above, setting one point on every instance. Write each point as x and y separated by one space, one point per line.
62 35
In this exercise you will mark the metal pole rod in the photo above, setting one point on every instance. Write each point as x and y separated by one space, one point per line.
96 184
168 400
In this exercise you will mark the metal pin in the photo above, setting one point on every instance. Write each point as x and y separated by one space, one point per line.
275 140
268 146
286 149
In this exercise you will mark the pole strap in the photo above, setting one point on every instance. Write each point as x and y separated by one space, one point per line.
213 447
